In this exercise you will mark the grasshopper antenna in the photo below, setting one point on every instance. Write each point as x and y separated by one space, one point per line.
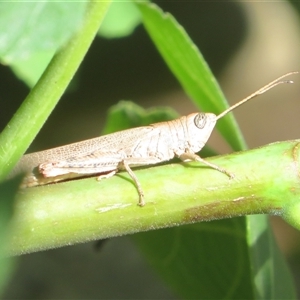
259 92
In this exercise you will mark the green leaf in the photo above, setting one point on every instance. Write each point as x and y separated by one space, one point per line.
127 114
29 37
187 64
121 20
30 69
271 276
202 261
29 27
210 261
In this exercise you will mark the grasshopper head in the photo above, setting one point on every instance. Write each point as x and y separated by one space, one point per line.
200 127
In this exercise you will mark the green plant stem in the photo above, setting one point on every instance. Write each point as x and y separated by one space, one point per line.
42 99
266 182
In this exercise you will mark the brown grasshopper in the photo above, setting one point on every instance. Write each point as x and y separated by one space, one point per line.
140 146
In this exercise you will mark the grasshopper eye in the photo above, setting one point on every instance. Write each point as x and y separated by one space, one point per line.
200 120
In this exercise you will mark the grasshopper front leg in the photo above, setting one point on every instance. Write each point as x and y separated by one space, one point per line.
194 157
